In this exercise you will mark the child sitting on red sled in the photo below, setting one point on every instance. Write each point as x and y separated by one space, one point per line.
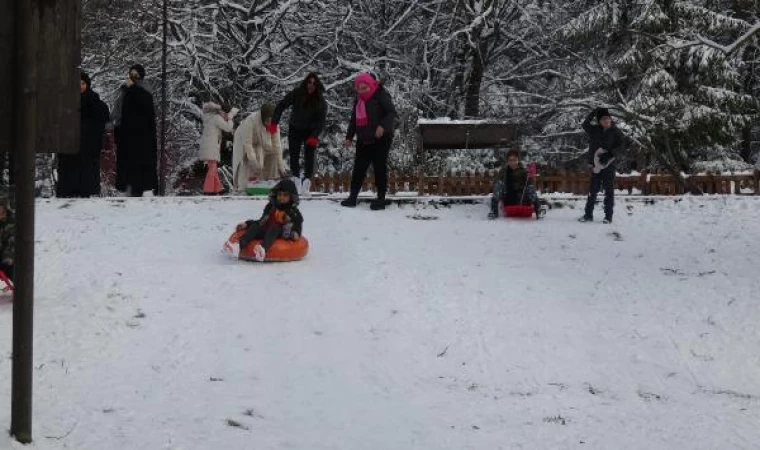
281 219
514 186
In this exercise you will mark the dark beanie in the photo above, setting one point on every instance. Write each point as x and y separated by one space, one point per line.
139 69
86 79
267 111
602 112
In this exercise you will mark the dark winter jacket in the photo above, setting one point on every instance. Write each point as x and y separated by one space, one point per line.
611 139
308 114
79 174
380 111
514 184
294 219
137 148
7 239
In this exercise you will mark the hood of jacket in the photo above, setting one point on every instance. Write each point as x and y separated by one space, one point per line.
284 186
212 108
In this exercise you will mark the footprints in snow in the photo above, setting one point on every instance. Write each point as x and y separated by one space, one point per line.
649 396
685 276
251 413
557 420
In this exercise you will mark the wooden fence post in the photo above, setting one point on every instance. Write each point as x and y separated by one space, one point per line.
644 183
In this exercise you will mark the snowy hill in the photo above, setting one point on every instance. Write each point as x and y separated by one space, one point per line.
395 333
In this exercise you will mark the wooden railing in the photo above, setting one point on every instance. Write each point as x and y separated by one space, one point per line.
479 183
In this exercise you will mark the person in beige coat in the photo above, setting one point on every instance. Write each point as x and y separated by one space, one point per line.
257 149
216 120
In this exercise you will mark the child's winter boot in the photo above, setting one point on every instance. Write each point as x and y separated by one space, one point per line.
259 253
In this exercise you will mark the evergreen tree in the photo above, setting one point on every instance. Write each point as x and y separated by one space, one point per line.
674 97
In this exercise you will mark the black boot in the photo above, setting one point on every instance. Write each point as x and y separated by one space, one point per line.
494 213
377 205
350 202
540 212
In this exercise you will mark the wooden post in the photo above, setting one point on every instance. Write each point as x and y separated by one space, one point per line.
24 101
39 60
643 183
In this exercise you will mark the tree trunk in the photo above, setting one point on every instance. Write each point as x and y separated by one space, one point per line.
477 70
746 145
458 84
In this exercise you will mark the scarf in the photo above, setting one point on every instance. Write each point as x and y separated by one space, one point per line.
361 99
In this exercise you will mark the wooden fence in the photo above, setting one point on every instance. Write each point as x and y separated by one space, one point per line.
479 183
190 181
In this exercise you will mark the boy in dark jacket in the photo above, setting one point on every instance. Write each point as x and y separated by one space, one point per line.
281 219
7 238
514 186
605 143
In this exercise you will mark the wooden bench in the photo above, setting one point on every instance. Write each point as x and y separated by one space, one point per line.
444 134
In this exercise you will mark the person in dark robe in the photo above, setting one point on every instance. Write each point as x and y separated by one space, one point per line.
79 174
134 123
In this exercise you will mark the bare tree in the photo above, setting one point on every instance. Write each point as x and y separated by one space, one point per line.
680 75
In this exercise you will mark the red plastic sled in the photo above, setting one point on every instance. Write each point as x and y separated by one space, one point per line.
6 285
518 211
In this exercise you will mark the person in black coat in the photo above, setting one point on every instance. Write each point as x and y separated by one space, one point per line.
79 174
372 121
307 120
135 132
605 143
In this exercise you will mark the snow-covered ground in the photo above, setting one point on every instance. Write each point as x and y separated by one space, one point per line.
395 333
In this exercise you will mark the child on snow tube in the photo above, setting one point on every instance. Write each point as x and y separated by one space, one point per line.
514 186
281 219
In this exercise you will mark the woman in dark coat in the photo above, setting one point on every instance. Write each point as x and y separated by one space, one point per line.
307 120
79 174
372 122
135 132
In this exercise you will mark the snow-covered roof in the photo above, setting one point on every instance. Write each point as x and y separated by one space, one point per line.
449 121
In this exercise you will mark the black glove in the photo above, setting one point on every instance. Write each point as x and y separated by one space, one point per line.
604 158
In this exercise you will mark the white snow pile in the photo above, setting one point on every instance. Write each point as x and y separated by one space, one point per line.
419 327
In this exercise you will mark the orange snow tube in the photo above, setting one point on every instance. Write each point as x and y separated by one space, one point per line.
282 250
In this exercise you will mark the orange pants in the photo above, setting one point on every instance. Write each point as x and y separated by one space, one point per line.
212 185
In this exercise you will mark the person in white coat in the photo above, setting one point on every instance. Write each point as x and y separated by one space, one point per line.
257 149
216 120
